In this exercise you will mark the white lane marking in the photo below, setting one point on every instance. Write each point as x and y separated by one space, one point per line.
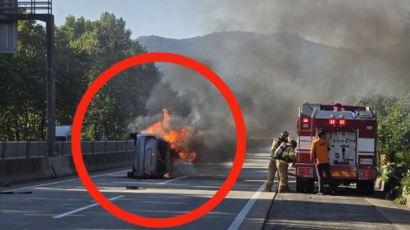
62 181
245 210
169 181
113 198
83 208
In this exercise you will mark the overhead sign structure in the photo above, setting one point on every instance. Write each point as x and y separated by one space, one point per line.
8 28
8 37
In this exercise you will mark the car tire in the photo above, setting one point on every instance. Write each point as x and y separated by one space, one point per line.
310 186
300 185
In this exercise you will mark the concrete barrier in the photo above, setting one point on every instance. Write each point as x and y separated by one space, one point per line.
103 161
26 169
4 178
29 169
379 184
60 166
91 162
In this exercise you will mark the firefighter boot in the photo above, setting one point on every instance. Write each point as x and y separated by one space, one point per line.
268 187
284 189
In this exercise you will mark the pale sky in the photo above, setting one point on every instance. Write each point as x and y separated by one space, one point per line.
168 18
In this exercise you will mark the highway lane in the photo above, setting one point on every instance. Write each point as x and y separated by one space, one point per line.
346 210
66 205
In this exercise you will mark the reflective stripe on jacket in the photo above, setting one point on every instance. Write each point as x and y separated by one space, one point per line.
288 155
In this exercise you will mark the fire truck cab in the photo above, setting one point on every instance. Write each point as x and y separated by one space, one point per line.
351 132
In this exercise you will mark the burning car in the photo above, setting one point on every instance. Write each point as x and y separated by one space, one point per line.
158 147
152 158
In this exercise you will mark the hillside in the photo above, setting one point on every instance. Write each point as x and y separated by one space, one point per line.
271 74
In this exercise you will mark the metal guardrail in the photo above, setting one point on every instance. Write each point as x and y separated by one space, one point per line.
26 149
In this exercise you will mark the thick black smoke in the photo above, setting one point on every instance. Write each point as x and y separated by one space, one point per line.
346 23
316 51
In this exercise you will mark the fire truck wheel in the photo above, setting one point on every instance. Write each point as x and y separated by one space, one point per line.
310 186
305 185
365 187
300 185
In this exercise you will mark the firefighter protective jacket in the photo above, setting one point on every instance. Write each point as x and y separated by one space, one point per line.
318 151
275 145
288 155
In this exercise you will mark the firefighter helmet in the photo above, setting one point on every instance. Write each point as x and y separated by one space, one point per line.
293 143
284 134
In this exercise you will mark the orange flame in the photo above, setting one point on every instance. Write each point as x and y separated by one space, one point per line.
166 175
176 137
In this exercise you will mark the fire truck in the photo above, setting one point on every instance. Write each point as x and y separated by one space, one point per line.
351 132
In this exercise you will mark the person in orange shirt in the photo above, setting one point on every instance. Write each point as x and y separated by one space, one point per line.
319 154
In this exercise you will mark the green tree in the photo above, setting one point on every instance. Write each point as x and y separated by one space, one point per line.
393 125
394 133
23 86
84 49
378 103
99 44
73 59
393 142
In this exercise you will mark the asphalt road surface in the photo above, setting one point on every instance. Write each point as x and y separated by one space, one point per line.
346 210
64 204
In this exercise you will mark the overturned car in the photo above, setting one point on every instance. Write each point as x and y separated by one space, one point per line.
152 157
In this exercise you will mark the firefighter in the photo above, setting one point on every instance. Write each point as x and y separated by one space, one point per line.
287 156
319 154
272 168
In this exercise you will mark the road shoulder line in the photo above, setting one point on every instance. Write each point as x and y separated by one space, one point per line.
245 210
398 220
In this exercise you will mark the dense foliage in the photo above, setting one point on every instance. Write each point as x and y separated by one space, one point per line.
393 143
84 49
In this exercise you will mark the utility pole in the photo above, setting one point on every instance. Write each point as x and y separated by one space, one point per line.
51 88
